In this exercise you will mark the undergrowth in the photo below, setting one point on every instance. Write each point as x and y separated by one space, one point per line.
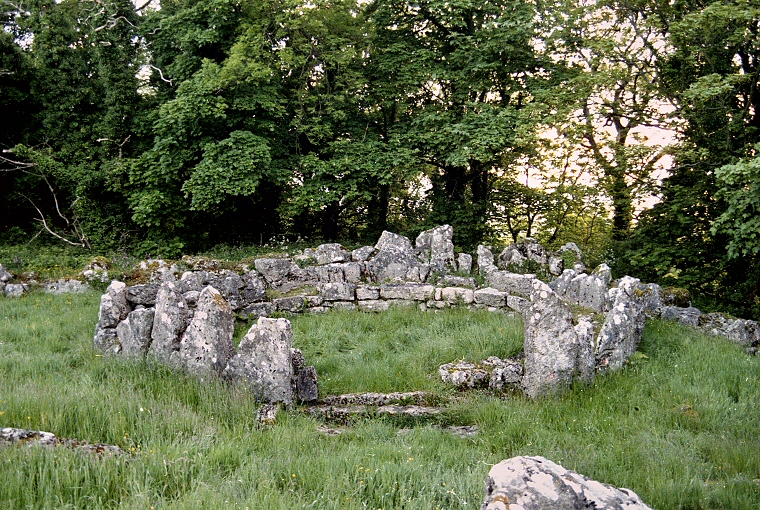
679 425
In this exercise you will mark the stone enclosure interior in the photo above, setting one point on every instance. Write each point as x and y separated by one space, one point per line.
578 323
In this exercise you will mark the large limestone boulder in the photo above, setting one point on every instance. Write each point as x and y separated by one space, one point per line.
740 331
396 260
144 294
134 333
535 483
169 323
554 354
588 291
331 253
254 288
206 345
264 361
283 275
621 332
511 283
436 246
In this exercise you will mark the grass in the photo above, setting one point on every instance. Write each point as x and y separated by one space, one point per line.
680 425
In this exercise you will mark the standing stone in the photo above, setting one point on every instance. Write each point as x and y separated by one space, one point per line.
437 247
264 362
307 388
621 333
396 260
206 345
169 323
389 240
485 261
588 291
134 332
535 483
604 272
561 284
464 263
113 305
554 356
254 288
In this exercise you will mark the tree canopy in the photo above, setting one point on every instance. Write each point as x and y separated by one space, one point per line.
178 127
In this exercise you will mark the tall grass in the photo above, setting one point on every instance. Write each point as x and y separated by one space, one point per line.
680 425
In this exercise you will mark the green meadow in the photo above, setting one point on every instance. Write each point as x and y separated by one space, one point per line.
680 424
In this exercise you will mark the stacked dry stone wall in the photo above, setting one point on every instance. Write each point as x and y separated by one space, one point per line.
577 325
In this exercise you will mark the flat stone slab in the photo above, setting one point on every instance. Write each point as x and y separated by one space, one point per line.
10 436
341 413
377 399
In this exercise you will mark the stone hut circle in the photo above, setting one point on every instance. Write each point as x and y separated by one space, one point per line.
578 323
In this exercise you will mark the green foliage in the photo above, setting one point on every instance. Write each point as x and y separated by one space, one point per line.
740 222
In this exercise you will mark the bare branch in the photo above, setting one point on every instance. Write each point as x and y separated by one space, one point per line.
46 227
170 82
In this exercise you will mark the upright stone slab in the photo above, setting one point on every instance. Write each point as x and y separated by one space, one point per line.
134 333
621 333
485 261
535 483
264 361
206 345
464 263
588 291
169 323
437 247
554 356
396 260
113 305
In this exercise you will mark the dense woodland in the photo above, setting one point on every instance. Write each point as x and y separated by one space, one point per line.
172 129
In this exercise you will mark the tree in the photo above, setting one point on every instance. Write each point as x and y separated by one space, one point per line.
458 79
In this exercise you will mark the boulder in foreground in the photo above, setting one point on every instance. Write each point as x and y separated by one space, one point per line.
535 483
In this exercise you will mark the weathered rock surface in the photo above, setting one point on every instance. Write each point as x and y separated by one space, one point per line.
362 254
254 287
170 322
490 297
15 289
134 333
740 331
408 291
436 246
332 252
113 305
206 345
621 333
264 361
5 275
464 263
511 283
367 292
485 261
588 291
554 356
47 439
396 260
378 399
307 387
260 309
686 316
142 294
66 286
338 291
456 295
535 483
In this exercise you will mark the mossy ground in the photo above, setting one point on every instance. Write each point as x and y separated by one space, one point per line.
680 425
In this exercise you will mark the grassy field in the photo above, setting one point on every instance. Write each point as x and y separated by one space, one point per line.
680 425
